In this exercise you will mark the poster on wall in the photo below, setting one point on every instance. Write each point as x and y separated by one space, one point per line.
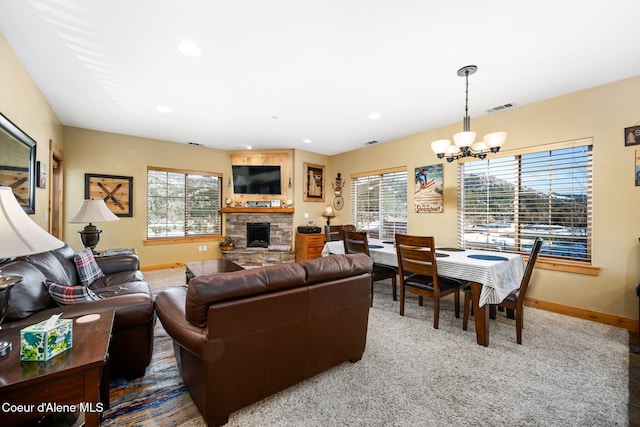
427 194
637 168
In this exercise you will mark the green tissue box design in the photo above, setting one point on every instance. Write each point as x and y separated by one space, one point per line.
39 343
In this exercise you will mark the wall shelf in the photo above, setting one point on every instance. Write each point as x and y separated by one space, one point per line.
246 209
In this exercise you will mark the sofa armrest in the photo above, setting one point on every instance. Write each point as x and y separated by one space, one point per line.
170 308
117 263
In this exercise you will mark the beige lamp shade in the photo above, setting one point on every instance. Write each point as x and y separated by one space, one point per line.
93 211
328 212
19 235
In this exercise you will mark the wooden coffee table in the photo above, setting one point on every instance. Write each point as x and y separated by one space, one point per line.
71 378
213 266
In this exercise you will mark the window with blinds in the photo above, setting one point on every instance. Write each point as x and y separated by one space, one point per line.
504 203
182 203
379 203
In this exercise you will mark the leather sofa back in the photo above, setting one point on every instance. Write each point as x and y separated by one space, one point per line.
206 290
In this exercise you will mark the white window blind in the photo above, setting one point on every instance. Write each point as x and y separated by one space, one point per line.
181 204
379 203
504 203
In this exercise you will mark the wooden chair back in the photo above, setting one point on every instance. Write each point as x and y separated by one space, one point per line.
524 285
333 233
355 242
416 255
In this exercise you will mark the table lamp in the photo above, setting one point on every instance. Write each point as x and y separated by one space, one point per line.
92 211
328 213
19 236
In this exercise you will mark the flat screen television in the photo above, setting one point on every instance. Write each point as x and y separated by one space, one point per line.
256 179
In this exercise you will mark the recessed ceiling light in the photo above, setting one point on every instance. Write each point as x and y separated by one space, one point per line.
307 141
375 116
189 49
163 109
249 147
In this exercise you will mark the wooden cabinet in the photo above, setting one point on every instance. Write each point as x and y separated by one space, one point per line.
309 246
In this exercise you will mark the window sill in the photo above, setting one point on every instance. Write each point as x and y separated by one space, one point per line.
567 267
177 240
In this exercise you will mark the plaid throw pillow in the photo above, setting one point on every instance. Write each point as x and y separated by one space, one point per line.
88 269
65 295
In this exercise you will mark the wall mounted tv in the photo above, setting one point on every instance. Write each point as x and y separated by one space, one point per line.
256 179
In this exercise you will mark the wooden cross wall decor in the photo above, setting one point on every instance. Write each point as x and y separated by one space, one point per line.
116 191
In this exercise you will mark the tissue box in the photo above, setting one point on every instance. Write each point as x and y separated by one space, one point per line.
40 343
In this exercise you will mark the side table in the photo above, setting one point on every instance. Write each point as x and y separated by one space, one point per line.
111 252
70 381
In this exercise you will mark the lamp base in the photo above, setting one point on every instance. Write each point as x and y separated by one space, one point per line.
5 348
90 236
6 284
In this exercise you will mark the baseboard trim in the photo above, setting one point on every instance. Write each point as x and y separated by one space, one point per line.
580 313
161 266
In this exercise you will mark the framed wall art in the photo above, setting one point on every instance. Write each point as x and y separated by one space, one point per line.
314 183
116 191
632 136
637 168
428 189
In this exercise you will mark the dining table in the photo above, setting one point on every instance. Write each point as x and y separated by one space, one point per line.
492 275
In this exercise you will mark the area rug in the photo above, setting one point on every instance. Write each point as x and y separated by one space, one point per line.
567 372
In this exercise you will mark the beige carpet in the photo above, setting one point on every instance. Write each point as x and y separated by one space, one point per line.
568 372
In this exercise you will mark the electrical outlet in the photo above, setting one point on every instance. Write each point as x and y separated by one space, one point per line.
204 248
306 215
200 248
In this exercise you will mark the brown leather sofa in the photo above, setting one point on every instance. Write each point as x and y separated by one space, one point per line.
122 288
242 336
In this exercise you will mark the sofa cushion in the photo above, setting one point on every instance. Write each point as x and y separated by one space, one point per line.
88 269
335 267
28 296
66 295
57 266
117 279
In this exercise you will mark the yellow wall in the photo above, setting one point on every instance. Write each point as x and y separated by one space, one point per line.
601 113
94 152
22 102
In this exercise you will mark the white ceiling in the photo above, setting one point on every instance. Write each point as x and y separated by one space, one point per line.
275 72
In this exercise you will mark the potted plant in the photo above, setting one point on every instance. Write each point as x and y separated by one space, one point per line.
227 244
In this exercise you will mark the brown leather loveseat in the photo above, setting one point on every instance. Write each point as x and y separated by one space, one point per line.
242 336
122 288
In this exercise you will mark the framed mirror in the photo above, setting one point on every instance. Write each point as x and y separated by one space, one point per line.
18 163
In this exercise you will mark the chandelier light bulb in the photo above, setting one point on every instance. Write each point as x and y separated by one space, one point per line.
495 139
440 145
464 139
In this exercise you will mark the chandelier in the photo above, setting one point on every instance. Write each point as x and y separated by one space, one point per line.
464 145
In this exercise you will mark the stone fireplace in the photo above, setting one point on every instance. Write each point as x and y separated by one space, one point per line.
263 236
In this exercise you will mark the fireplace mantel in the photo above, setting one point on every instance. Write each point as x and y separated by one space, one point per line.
258 210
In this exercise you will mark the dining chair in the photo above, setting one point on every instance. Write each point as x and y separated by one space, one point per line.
514 301
418 271
333 233
357 242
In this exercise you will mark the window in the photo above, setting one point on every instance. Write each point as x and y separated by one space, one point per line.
504 203
379 203
182 203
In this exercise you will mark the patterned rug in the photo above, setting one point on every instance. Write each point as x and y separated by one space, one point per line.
158 399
